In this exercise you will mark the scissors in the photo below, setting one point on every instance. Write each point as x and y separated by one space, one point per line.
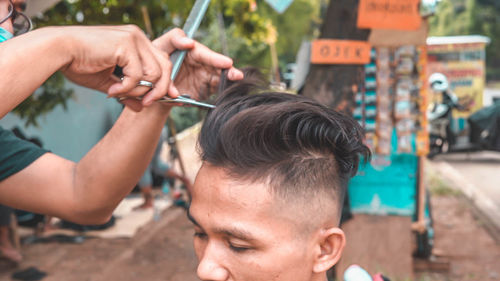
182 99
177 57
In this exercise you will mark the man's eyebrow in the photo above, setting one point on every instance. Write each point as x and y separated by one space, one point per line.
236 233
232 232
192 219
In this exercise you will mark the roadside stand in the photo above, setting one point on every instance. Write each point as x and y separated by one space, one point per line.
391 106
388 195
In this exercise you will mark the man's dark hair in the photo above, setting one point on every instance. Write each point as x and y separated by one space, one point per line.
292 142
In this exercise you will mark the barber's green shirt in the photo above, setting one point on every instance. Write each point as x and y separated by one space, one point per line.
16 154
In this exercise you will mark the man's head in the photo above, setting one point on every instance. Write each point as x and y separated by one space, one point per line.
267 201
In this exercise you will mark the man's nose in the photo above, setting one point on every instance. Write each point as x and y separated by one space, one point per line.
210 268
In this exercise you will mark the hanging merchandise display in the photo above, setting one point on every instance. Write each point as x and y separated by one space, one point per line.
392 101
365 111
385 97
391 107
406 98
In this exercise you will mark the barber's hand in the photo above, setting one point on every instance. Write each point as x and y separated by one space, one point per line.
97 50
200 71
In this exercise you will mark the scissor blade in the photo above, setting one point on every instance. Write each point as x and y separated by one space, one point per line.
187 101
180 99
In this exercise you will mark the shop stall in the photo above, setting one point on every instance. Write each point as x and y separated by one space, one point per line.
391 106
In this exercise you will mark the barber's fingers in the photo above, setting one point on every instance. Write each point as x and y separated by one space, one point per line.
151 62
200 54
176 40
132 73
235 74
173 40
138 61
173 91
203 55
163 84
138 91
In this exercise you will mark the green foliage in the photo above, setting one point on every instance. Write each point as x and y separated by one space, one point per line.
248 25
299 22
44 100
467 17
163 14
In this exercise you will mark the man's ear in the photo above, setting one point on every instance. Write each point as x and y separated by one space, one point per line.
329 247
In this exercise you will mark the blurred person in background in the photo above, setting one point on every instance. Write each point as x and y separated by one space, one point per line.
7 249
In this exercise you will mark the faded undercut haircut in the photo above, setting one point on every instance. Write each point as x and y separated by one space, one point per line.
300 147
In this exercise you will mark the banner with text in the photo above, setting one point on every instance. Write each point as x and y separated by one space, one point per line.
331 51
389 14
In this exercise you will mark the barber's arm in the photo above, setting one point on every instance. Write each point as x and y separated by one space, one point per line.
88 191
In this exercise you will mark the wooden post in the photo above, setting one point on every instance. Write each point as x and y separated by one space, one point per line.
173 131
419 226
274 60
147 22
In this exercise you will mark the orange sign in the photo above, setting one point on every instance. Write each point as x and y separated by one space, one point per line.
389 14
328 51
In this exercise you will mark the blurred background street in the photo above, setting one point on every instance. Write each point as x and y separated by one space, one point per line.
475 174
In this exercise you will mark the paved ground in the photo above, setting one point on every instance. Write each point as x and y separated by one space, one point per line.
478 177
460 238
163 251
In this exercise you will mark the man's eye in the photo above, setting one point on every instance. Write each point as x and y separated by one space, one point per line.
238 249
200 235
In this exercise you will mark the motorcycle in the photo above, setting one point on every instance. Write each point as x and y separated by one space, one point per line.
483 126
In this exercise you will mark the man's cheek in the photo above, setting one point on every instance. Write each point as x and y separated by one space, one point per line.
253 270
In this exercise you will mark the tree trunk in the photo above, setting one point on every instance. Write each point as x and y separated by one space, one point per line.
334 85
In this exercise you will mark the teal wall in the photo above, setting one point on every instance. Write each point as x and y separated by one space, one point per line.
71 133
387 185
